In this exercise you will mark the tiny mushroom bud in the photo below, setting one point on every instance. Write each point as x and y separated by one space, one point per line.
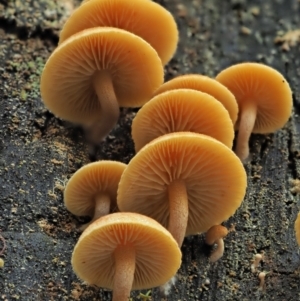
257 260
261 277
213 236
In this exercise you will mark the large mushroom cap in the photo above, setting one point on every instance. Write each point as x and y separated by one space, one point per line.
157 255
67 79
90 180
182 110
214 177
146 19
264 86
204 84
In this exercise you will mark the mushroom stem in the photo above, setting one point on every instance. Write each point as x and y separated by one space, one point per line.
218 252
247 121
179 211
100 128
124 272
102 207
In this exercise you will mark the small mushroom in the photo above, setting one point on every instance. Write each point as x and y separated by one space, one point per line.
188 182
89 75
182 110
213 236
146 19
297 229
264 98
124 252
262 280
92 190
204 84
256 261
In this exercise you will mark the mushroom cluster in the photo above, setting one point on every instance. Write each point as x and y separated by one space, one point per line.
111 53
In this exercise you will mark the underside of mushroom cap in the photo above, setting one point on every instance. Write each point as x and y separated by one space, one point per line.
158 256
182 110
147 19
90 180
214 177
204 84
264 86
67 79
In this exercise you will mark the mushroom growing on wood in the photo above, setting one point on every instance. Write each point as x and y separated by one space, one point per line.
89 75
264 98
204 84
147 19
92 190
213 236
188 182
182 110
124 252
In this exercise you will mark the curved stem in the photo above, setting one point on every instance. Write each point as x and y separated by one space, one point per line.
218 252
100 128
124 272
179 211
102 207
247 121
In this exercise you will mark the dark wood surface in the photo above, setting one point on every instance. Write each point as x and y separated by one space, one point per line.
38 153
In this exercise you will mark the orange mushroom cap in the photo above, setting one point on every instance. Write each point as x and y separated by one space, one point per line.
204 84
123 246
147 19
213 177
264 98
68 78
182 110
263 86
90 181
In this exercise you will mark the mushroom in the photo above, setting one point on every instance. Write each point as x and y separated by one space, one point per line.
257 259
146 19
213 236
264 98
262 279
126 251
204 84
186 181
92 190
88 76
297 229
182 110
